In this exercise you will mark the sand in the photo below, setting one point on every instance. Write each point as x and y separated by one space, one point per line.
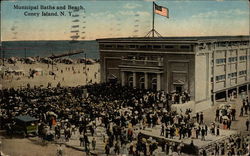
65 77
33 147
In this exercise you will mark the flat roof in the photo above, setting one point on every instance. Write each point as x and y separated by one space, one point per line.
180 39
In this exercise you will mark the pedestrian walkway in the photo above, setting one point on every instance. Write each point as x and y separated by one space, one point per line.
74 141
209 139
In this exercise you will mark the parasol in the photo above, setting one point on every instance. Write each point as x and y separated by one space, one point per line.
225 118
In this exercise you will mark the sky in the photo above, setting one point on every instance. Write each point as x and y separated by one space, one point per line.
124 18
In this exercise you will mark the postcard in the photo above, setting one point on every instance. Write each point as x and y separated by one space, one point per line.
124 77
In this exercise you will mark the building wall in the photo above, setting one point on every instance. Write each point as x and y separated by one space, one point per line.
248 64
203 67
201 77
179 68
109 65
230 68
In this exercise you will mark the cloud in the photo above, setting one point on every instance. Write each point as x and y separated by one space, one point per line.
103 14
126 13
181 1
131 6
226 13
143 13
129 13
199 27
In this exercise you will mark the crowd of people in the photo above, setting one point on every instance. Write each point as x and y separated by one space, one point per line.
62 108
226 114
180 98
119 109
234 145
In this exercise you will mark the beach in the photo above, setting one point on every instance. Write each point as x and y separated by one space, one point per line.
66 74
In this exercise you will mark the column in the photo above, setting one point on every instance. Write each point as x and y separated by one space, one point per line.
237 91
226 69
226 96
158 81
134 79
247 64
214 73
247 90
214 99
237 69
146 80
123 78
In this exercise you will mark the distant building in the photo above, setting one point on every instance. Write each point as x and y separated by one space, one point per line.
207 67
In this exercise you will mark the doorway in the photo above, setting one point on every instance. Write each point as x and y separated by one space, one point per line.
154 84
142 83
130 81
179 88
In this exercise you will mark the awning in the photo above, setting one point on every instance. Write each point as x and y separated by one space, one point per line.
112 77
179 82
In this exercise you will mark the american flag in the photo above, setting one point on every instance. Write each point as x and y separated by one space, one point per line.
161 10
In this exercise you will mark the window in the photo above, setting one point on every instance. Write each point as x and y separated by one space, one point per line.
169 47
185 47
231 75
243 43
143 46
242 58
221 61
132 46
156 46
120 46
243 72
234 43
217 61
108 46
220 77
150 46
222 44
101 45
232 59
130 56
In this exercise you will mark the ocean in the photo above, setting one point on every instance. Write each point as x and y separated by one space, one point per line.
47 48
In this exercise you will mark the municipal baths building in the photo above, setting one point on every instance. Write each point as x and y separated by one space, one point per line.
208 68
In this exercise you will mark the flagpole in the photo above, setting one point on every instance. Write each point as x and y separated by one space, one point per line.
153 24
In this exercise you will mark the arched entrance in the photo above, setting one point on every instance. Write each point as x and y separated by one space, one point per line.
154 84
130 81
142 83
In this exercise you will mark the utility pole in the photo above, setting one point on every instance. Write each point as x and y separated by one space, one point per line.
153 22
52 59
52 64
2 51
25 53
86 79
3 56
